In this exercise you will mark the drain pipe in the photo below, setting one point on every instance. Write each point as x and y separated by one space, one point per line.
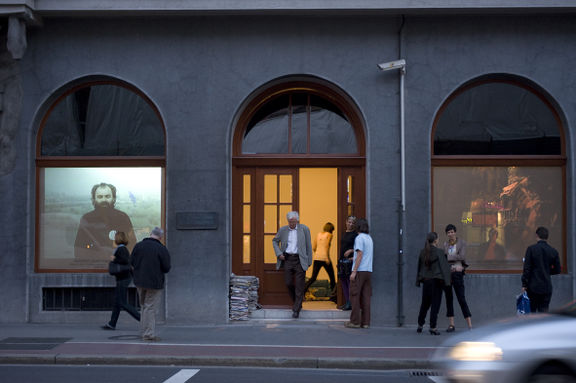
401 66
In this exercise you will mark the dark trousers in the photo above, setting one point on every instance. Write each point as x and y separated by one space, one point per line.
539 302
360 293
317 265
345 281
121 302
460 290
295 280
431 298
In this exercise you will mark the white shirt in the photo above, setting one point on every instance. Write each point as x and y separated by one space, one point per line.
292 247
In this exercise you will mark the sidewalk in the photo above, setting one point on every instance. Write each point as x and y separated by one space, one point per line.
255 343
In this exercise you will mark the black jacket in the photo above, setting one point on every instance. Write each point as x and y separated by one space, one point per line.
540 262
122 257
151 261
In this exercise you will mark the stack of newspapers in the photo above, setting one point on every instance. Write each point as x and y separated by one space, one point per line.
243 296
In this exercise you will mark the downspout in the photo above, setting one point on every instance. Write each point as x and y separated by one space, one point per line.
402 215
400 65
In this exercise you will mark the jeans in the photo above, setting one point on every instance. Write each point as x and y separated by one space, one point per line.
121 302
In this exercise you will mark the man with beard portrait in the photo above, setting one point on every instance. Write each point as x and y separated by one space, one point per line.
95 237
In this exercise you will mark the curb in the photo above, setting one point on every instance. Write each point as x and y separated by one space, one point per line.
228 361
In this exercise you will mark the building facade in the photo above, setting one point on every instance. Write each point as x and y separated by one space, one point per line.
214 120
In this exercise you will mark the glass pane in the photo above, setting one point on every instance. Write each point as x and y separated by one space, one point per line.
246 219
500 119
267 132
349 195
270 219
299 129
269 255
284 209
246 192
246 249
81 209
497 210
330 133
270 188
285 189
102 120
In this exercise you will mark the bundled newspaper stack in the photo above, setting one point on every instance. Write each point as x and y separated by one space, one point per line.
243 296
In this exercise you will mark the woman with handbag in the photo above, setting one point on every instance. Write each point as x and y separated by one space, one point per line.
121 259
434 275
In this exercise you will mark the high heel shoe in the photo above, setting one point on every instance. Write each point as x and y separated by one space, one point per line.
434 331
451 329
419 329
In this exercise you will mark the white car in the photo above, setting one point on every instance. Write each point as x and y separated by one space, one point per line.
529 348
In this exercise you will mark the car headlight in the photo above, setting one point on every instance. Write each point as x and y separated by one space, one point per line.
476 351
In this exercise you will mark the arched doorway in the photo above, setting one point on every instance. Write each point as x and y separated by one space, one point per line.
298 145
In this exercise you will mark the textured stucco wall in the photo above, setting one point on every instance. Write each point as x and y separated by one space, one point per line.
199 70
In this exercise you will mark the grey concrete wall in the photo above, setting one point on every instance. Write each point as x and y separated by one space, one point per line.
198 71
13 186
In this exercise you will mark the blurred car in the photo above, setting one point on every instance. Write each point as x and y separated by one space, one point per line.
529 348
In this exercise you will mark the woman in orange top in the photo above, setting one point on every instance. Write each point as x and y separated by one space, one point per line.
321 248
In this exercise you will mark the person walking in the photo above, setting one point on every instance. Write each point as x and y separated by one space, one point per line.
345 260
433 273
361 277
122 257
321 258
151 261
540 262
455 249
293 250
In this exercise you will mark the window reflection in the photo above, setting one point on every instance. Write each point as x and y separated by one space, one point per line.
497 210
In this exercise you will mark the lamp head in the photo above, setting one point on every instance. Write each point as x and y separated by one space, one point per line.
398 64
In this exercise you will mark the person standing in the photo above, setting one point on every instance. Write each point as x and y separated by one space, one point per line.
433 274
122 257
361 277
150 260
345 260
541 261
455 249
293 249
321 258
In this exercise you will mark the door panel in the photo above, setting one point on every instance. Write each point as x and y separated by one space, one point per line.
263 197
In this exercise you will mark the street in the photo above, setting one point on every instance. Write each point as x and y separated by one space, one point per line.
146 374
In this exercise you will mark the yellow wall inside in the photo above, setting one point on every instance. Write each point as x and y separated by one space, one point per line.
318 205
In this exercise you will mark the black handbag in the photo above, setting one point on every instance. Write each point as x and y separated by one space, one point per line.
117 268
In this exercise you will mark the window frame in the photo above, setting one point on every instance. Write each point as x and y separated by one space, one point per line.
558 160
46 161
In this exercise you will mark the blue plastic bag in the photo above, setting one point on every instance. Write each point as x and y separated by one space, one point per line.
522 304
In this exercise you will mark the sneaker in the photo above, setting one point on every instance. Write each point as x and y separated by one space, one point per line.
108 327
351 325
365 326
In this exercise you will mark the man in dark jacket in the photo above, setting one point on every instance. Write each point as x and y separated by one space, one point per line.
541 261
151 261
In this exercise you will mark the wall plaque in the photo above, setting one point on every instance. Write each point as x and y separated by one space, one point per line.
196 220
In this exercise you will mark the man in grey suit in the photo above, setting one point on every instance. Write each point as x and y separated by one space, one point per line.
293 249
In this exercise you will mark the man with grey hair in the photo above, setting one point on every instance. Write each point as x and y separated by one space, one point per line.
293 249
150 260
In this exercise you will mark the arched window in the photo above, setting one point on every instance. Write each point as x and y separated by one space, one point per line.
498 170
100 161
